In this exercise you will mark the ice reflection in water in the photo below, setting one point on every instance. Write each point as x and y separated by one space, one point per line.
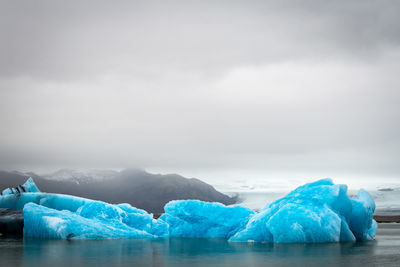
199 252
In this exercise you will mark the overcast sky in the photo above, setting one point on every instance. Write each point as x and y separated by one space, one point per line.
220 90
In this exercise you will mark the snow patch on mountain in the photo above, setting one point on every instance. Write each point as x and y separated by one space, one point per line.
81 176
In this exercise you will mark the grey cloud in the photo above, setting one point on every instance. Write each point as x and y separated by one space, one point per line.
54 39
272 86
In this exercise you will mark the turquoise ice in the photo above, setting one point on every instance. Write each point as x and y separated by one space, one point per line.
316 212
28 186
94 220
59 216
313 213
194 218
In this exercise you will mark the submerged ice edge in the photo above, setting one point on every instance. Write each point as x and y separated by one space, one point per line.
315 212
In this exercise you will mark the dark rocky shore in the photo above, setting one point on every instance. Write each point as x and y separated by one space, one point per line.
387 219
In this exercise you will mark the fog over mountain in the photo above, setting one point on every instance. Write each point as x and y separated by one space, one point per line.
134 186
223 90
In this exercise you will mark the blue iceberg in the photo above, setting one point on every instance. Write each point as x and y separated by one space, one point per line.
313 213
361 222
28 186
316 212
95 220
59 216
194 218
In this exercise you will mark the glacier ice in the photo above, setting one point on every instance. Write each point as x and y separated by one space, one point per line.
48 215
194 218
361 222
109 221
54 201
316 212
28 186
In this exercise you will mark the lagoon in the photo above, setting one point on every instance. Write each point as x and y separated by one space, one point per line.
16 251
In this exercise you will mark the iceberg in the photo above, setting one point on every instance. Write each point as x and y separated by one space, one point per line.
109 221
315 212
58 216
54 201
361 222
28 186
194 218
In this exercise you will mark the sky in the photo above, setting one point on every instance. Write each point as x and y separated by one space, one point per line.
227 91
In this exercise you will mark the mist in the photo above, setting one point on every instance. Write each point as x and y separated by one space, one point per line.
224 91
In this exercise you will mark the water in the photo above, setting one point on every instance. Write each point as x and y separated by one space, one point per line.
385 251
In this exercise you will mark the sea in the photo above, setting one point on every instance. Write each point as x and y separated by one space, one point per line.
17 251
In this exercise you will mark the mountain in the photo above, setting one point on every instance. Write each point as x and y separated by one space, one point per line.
134 186
81 177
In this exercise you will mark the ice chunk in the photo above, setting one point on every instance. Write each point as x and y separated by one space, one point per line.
95 216
127 215
315 212
94 220
7 191
128 208
255 230
54 201
304 223
101 211
194 218
372 230
28 186
43 222
361 222
346 235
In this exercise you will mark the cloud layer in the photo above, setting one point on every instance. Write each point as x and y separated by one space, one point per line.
274 88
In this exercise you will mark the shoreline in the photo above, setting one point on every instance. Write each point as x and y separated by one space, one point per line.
387 218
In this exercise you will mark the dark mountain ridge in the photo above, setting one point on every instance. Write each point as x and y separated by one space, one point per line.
134 186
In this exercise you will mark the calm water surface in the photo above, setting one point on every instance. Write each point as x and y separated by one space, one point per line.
385 251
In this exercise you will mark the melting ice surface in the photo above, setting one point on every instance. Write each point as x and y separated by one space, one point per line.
316 212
